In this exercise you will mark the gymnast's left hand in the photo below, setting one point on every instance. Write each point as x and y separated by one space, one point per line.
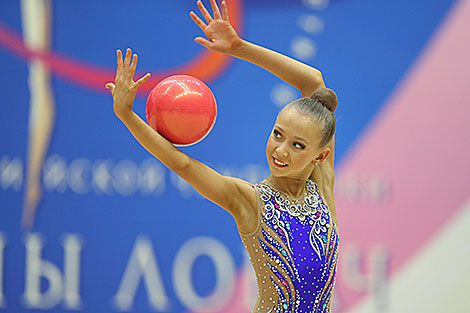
222 36
125 89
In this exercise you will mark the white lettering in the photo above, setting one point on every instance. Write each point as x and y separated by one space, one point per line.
79 175
11 173
363 188
224 269
101 177
152 178
380 279
66 288
125 175
55 173
185 189
316 4
35 269
104 177
2 247
72 250
375 281
253 173
142 264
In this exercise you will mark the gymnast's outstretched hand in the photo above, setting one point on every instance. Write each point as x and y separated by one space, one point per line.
221 36
125 89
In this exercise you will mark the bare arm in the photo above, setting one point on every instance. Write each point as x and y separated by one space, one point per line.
222 38
236 196
303 77
307 79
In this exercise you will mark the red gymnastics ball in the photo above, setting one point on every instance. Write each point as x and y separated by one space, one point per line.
182 109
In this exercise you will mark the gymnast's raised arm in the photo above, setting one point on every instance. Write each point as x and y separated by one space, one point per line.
236 196
222 38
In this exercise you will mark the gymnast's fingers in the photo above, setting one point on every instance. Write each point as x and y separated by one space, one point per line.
204 12
224 11
197 20
215 9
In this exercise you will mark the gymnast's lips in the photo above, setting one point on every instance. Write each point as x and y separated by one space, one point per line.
279 163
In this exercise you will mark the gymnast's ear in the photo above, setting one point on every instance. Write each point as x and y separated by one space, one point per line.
322 155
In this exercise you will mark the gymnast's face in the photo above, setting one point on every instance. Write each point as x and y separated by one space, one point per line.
293 145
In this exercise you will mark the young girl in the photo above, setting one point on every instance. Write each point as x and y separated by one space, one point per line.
288 221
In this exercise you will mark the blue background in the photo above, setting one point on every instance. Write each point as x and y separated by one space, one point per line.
363 52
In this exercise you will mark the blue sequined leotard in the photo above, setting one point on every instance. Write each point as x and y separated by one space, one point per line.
293 251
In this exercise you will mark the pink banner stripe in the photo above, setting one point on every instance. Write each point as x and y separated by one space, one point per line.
419 147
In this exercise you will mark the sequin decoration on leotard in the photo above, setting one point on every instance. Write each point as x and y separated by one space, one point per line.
293 251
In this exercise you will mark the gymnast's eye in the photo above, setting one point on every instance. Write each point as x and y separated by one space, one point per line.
299 145
277 134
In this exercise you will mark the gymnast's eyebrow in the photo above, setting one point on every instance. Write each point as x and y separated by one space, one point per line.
296 137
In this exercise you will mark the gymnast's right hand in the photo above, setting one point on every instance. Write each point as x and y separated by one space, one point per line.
125 89
222 36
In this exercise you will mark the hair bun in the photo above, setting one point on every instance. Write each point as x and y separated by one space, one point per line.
327 97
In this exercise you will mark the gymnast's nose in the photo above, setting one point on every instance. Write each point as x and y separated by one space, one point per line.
281 151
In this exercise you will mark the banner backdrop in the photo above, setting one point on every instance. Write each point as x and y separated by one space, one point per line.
90 222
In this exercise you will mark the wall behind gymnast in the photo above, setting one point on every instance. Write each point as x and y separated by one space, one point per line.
116 231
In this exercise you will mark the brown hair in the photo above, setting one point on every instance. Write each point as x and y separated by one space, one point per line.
320 107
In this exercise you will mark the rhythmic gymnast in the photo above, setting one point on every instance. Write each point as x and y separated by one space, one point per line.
287 222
